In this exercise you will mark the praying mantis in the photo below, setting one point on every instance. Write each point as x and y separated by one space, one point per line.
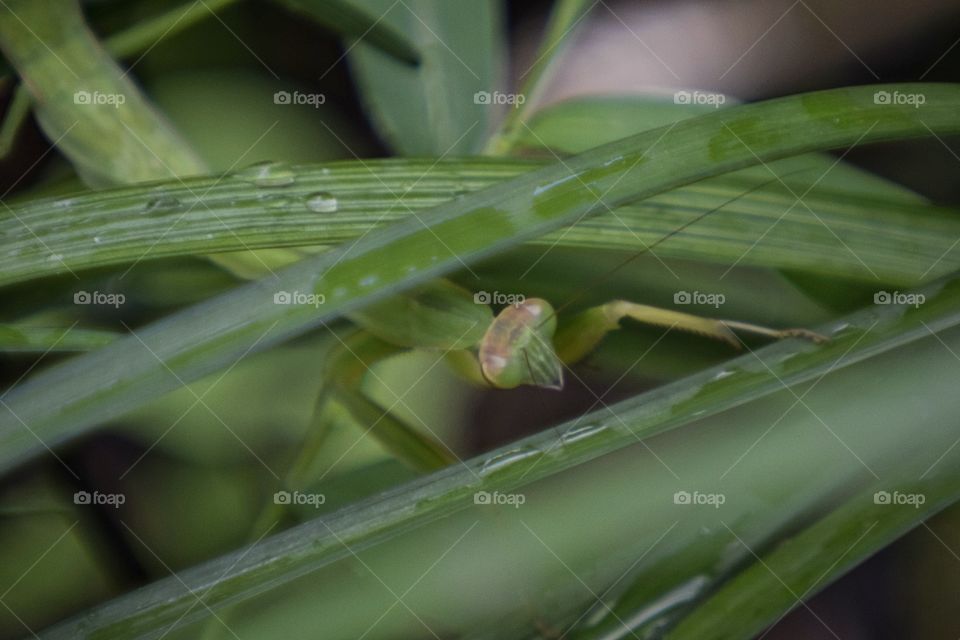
526 342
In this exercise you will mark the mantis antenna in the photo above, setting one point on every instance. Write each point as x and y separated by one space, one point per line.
647 249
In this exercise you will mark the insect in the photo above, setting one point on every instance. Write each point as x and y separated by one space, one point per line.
528 342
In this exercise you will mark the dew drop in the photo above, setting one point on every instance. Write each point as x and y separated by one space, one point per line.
840 327
726 373
664 604
322 202
577 433
267 174
506 459
552 185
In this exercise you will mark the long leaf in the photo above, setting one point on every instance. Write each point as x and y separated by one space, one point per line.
836 231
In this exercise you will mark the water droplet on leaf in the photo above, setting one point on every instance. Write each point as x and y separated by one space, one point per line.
267 174
322 202
506 459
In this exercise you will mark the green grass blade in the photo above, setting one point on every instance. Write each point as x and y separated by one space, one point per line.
71 398
17 113
458 44
836 230
565 16
144 34
578 124
84 102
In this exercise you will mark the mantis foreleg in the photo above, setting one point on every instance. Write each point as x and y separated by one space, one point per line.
580 335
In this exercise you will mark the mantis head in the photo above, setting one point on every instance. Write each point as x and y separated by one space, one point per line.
518 348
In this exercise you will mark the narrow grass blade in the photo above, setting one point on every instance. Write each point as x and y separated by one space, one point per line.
565 16
84 102
837 230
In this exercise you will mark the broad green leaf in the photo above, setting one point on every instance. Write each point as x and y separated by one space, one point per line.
458 43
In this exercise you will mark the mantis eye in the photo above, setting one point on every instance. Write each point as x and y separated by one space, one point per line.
518 347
